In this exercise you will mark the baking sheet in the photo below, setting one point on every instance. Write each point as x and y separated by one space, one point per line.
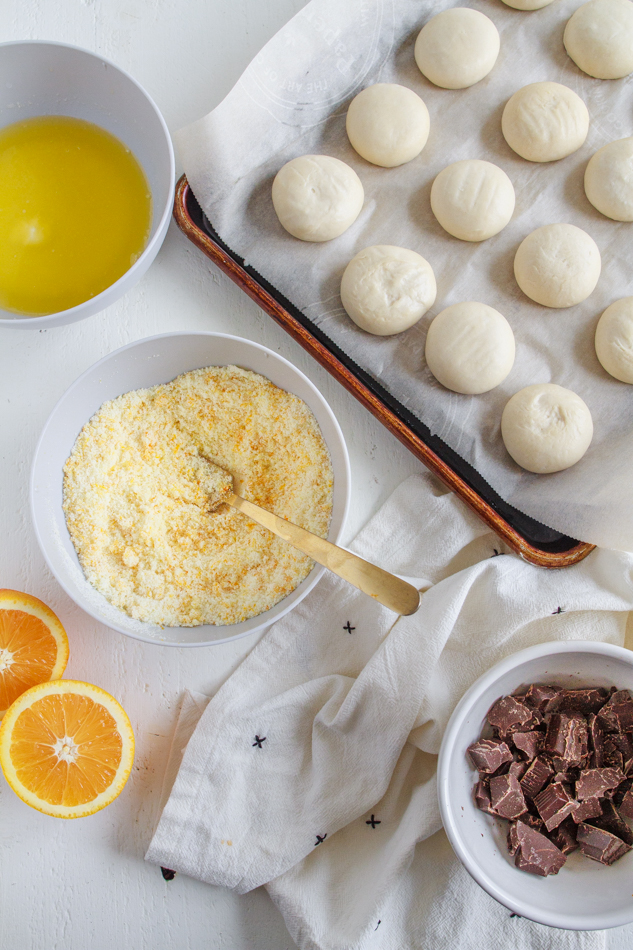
292 100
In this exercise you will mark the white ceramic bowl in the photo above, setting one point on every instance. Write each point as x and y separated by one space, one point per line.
146 363
42 78
584 895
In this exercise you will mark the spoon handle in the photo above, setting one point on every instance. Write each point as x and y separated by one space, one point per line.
386 588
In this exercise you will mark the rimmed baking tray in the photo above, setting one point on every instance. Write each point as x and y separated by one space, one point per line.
532 540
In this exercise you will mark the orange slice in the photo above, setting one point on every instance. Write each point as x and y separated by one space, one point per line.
33 645
66 748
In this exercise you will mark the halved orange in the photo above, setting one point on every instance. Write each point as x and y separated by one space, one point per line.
66 748
33 645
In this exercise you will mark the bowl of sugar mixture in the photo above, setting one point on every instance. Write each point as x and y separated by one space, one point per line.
119 487
86 183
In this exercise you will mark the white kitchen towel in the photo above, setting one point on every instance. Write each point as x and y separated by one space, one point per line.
312 770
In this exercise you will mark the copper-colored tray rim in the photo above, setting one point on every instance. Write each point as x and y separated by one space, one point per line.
244 280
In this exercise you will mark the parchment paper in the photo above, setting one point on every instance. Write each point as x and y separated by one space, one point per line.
292 100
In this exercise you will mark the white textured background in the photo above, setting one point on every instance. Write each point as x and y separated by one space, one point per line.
84 884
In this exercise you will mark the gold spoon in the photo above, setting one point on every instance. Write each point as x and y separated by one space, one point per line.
386 588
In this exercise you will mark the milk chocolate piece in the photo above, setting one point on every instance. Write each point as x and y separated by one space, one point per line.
554 804
611 821
482 797
600 845
506 713
619 793
617 714
535 853
584 701
625 807
536 776
518 769
487 755
596 743
618 751
529 743
595 782
542 697
567 738
591 808
506 796
564 837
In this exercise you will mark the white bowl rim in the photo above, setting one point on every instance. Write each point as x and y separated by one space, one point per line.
317 571
516 904
159 234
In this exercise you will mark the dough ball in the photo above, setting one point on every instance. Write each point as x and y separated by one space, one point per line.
457 48
614 339
387 124
527 4
317 197
470 348
599 38
609 179
472 199
557 265
545 121
546 428
387 289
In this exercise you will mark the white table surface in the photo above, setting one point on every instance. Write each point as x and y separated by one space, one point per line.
78 884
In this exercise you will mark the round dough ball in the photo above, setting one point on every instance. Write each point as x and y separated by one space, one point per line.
527 4
614 339
609 179
457 48
470 348
387 289
599 38
546 428
472 199
557 265
545 121
387 124
317 197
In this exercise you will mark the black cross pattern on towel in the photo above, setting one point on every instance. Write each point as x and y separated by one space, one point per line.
320 839
258 741
349 627
373 822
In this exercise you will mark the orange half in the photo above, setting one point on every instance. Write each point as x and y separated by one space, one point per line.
33 645
66 748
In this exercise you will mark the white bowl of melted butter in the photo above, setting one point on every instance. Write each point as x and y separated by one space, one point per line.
86 189
140 366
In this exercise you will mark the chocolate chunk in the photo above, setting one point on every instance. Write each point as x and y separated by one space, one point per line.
513 838
529 743
619 792
596 743
584 701
487 755
625 807
554 804
567 738
482 797
595 782
618 751
535 853
617 714
600 845
610 821
506 713
542 697
506 796
536 776
564 837
591 808
518 769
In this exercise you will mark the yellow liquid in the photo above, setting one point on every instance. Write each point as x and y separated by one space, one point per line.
75 213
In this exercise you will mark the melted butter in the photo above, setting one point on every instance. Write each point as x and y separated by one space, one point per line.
75 213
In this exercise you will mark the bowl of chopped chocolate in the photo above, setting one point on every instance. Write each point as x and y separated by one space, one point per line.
535 783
